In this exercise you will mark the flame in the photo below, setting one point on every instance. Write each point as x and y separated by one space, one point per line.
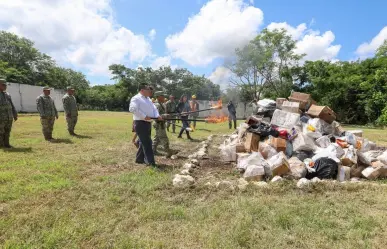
218 116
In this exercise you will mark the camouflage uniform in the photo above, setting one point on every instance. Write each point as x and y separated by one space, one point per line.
48 113
7 115
161 133
71 112
170 107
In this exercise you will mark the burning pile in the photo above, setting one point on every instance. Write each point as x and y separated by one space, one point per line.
296 139
217 116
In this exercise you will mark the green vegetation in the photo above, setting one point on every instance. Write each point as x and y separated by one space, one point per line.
87 193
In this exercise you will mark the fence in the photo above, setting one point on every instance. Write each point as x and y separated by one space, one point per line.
24 97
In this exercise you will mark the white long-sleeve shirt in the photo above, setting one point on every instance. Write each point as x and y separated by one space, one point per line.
142 107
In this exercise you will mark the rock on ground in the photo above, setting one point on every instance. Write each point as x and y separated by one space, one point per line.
183 181
303 183
277 179
316 180
226 185
261 184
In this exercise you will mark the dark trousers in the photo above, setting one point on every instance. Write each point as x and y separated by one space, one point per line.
185 125
145 152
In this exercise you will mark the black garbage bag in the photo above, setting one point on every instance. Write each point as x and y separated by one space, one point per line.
302 155
325 167
263 130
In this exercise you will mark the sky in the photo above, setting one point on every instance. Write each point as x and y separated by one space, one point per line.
90 35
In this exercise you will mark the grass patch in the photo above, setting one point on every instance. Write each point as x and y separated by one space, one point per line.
88 193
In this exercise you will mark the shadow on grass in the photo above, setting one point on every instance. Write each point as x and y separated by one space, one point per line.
83 136
61 141
165 167
18 150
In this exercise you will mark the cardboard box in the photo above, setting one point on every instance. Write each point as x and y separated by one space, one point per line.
304 99
240 148
252 142
279 165
279 102
284 119
323 112
278 143
293 107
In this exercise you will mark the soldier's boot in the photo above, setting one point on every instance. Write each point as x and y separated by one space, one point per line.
1 141
6 141
181 133
174 129
188 136
154 148
235 124
229 125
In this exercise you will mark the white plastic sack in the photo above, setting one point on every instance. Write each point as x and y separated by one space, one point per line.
323 142
312 134
329 152
285 119
321 126
297 168
344 174
350 138
372 155
366 145
339 151
267 104
350 157
242 130
228 152
303 142
363 159
254 172
383 157
267 150
254 158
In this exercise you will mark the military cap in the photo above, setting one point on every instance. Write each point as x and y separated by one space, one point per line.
3 81
159 93
194 96
47 88
70 88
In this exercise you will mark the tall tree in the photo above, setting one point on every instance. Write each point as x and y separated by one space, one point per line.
265 64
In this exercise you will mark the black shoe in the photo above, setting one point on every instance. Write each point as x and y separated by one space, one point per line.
8 146
179 137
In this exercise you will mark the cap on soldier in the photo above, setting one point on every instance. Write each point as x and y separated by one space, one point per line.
159 93
194 96
3 81
70 88
46 88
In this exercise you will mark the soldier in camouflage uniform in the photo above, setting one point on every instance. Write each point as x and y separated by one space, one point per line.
171 109
161 134
71 110
8 114
47 110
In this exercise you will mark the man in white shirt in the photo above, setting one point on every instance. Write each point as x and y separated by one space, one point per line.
143 111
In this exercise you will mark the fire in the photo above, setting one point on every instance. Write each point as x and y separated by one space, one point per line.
217 116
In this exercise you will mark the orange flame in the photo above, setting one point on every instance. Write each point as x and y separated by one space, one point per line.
218 116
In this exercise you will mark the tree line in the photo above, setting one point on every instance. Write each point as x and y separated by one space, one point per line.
267 67
21 62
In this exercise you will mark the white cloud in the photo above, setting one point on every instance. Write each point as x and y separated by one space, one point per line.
221 76
311 42
82 32
295 32
152 34
161 61
215 32
368 48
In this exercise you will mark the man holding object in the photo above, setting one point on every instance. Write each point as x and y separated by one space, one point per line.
143 111
71 110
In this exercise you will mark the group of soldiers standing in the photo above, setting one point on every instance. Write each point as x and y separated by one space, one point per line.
46 108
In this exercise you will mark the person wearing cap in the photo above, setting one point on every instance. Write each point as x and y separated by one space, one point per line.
47 110
160 126
182 108
71 110
143 112
231 114
8 114
171 109
194 107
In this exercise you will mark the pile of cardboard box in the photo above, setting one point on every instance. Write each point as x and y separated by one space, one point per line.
304 133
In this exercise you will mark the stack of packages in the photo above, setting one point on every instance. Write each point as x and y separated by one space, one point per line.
302 140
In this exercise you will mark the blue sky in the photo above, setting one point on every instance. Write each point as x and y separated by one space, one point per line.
89 35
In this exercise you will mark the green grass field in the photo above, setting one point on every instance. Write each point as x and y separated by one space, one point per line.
87 193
